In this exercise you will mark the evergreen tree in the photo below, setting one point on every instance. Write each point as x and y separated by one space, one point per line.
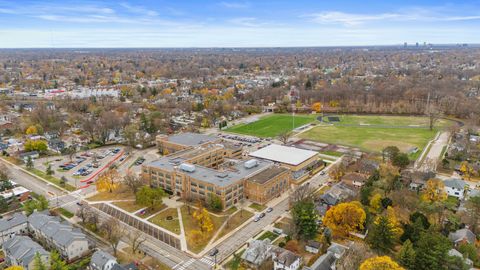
29 162
56 262
382 235
406 255
305 219
432 251
38 263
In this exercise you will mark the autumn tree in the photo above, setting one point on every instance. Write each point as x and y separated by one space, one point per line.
434 191
345 218
354 256
204 221
14 267
380 263
337 172
132 181
113 232
56 262
108 181
385 232
284 136
317 107
389 177
136 238
473 206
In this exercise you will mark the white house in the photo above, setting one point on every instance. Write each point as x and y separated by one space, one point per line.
455 187
285 260
15 225
313 246
71 243
102 260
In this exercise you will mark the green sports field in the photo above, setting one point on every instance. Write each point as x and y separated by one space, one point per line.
386 120
272 125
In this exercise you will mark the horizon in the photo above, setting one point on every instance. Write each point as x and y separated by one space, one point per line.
235 24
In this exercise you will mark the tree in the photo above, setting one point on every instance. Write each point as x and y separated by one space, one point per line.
38 263
108 181
431 251
380 263
203 219
390 152
469 251
132 181
3 205
113 233
434 191
214 202
305 217
293 246
376 203
389 176
354 256
337 172
31 130
433 114
317 107
473 206
40 204
35 145
406 255
382 237
401 160
136 239
49 170
56 262
150 197
29 163
15 267
284 136
365 193
345 218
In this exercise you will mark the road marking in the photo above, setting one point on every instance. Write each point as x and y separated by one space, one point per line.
185 265
207 261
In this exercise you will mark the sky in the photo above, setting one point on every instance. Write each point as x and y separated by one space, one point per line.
232 23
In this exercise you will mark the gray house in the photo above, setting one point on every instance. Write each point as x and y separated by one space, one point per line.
14 225
257 252
461 236
102 260
21 251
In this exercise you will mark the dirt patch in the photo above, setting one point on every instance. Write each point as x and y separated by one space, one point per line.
380 144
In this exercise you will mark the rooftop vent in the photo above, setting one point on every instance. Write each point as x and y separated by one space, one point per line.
187 167
250 163
222 175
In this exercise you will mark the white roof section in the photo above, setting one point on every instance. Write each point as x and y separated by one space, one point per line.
284 154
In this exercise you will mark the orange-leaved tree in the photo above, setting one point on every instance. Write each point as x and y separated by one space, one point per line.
345 218
380 263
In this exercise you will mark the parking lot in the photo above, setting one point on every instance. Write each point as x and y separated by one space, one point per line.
78 168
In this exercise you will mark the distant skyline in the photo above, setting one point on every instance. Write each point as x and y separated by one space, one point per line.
224 23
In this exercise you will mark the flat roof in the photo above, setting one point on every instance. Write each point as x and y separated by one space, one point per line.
191 139
267 174
284 154
222 178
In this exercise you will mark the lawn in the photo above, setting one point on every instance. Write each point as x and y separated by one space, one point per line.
268 235
257 207
129 206
387 120
122 193
371 138
234 263
235 221
161 220
272 125
65 213
190 225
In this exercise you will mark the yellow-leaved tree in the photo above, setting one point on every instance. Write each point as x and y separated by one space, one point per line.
345 218
380 263
434 191
15 267
203 219
376 203
108 181
31 130
317 107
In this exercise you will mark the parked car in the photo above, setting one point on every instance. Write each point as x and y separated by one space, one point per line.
261 215
256 219
269 210
213 252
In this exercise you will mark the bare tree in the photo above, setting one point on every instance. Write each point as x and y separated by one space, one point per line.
132 181
433 114
354 256
301 193
136 239
4 173
113 232
285 136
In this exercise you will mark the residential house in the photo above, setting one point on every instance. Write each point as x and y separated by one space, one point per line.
285 259
313 246
70 242
339 192
257 253
455 187
455 253
354 179
327 261
21 251
462 236
19 193
102 260
12 226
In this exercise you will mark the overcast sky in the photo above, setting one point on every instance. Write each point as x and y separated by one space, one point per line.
259 23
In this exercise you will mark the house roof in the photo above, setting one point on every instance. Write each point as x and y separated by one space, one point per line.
23 249
257 251
314 244
285 257
462 234
284 154
15 220
354 177
100 258
455 183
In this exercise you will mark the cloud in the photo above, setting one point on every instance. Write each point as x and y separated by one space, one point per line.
235 5
139 10
353 19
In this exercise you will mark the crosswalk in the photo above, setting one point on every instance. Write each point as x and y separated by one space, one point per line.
184 265
208 261
188 265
